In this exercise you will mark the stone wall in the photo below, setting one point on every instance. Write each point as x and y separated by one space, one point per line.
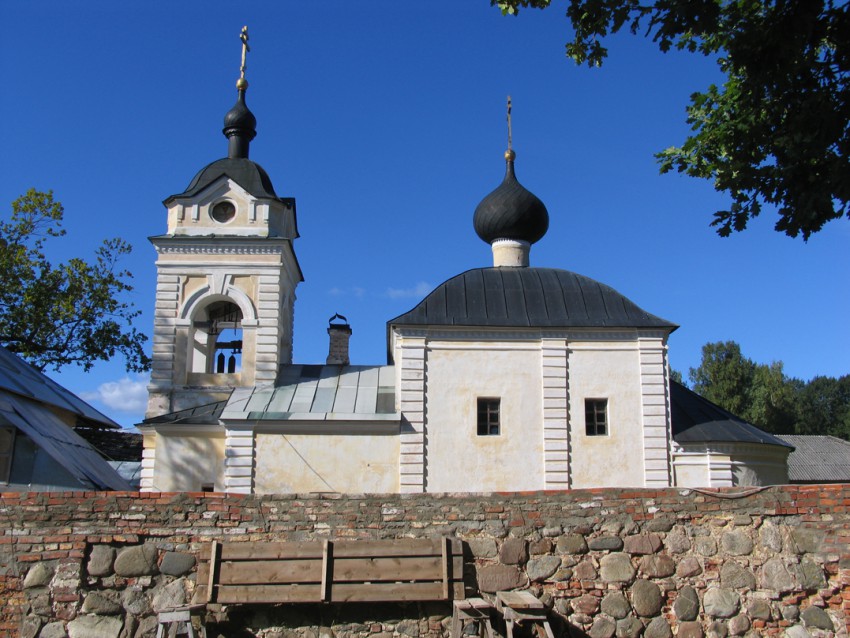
608 562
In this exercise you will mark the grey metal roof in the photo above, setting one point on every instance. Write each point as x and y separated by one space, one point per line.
21 378
247 173
202 414
320 393
29 402
527 297
695 419
818 458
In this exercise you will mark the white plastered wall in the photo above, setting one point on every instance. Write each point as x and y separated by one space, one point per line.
458 373
187 462
606 370
345 463
730 464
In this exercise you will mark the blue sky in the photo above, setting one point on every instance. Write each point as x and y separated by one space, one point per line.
386 121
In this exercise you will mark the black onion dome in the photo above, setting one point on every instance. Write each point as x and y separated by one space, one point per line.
239 119
511 212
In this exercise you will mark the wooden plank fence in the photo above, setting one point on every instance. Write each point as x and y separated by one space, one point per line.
396 570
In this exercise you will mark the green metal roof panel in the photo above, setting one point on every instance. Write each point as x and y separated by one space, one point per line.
317 393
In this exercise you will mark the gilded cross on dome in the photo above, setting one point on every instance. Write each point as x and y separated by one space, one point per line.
245 48
509 154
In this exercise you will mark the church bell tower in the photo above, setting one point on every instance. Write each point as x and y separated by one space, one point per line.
226 277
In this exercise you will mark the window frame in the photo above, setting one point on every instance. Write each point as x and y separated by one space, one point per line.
488 426
592 424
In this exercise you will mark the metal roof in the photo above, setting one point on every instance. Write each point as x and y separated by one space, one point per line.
19 377
308 393
247 173
319 393
207 413
818 458
29 402
695 419
527 297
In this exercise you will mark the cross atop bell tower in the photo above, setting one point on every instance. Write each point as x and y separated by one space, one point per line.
226 276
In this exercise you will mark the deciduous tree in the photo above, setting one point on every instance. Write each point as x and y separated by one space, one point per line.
54 315
776 131
724 376
763 395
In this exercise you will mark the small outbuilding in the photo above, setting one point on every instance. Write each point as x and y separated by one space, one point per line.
39 449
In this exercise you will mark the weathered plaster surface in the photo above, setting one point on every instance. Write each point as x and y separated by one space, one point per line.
458 460
357 463
601 370
187 463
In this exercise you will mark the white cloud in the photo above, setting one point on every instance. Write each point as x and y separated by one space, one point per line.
357 291
124 395
419 290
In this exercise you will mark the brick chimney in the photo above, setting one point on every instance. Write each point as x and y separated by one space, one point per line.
340 333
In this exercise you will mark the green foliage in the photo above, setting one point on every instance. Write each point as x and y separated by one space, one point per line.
776 132
824 406
763 395
723 375
677 376
70 313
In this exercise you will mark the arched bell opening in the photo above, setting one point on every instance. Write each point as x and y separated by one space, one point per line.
217 339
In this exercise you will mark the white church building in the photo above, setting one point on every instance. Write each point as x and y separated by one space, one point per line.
506 377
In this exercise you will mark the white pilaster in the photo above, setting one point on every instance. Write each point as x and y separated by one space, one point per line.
655 412
556 434
239 459
412 450
148 460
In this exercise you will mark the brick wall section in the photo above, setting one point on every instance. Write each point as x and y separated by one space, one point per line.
783 549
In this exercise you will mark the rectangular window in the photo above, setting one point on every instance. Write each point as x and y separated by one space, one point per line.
596 417
488 416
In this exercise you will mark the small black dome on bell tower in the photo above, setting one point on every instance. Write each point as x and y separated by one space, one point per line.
240 125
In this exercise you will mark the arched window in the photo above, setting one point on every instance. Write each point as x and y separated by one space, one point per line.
217 339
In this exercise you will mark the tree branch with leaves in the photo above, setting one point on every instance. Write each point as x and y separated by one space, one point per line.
68 313
777 131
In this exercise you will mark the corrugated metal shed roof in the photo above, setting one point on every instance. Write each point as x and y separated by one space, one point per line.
18 377
528 297
695 419
818 458
320 393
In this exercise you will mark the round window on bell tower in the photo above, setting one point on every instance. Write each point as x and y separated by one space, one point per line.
223 212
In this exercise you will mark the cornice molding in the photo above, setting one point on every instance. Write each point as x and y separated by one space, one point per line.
237 248
572 336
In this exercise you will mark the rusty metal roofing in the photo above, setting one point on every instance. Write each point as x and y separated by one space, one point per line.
695 419
527 297
817 458
319 393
